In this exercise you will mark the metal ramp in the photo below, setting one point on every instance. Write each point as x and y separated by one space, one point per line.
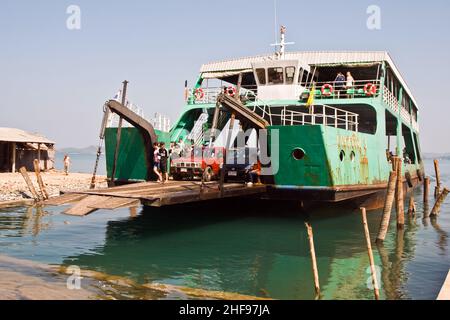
241 112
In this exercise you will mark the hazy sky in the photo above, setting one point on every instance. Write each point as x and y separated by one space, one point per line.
55 80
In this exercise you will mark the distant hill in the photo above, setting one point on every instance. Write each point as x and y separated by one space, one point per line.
91 150
445 156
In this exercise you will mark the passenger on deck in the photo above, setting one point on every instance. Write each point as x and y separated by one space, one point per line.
350 81
339 83
156 161
163 158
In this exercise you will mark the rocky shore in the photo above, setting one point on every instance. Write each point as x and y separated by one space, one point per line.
13 186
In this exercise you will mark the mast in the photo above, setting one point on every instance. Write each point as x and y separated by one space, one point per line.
282 44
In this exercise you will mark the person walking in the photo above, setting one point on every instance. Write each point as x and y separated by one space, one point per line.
66 164
156 161
163 158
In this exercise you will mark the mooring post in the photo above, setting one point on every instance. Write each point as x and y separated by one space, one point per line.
119 134
437 207
426 189
400 207
412 206
437 190
390 195
37 171
27 179
369 250
313 258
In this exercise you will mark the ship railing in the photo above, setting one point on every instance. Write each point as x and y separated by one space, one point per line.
393 104
333 90
318 114
208 95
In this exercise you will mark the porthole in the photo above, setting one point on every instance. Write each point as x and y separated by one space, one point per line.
298 154
342 155
352 156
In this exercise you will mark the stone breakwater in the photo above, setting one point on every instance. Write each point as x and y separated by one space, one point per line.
13 186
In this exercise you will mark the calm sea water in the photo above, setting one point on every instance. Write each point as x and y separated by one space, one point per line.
238 248
81 163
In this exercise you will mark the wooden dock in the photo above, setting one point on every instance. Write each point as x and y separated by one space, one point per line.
151 194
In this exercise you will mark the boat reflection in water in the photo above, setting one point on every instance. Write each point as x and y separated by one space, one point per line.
257 251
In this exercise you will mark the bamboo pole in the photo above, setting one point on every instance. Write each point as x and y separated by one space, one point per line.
437 190
400 207
313 258
390 195
27 179
37 171
370 253
439 202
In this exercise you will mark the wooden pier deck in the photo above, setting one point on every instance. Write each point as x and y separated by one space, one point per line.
151 194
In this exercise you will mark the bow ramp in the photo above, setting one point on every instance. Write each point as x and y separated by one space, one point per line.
151 194
242 113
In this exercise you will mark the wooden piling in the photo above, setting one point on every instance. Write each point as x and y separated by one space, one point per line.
400 207
426 189
37 171
437 207
390 195
412 206
27 179
370 253
313 258
437 189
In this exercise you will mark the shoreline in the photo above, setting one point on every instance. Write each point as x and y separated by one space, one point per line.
13 189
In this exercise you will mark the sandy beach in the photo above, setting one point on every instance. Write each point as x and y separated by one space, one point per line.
13 186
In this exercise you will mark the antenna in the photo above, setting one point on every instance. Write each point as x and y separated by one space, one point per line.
282 43
275 20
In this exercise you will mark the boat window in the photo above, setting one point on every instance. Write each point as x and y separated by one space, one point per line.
261 74
275 75
303 77
290 73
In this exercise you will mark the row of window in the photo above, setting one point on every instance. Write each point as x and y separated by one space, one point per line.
280 75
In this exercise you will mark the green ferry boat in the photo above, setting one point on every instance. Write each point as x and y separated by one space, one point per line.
330 138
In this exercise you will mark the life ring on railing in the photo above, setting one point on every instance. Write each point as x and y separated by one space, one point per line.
199 94
325 87
231 91
370 89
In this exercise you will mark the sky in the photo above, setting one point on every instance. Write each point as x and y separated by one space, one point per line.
55 80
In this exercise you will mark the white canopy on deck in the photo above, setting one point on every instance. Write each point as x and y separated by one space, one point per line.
313 58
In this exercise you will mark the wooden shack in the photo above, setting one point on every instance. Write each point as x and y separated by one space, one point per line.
19 148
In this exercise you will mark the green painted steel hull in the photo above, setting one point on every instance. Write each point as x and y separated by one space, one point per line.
131 160
363 165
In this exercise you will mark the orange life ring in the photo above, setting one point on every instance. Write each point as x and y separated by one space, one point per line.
330 90
370 89
231 91
199 94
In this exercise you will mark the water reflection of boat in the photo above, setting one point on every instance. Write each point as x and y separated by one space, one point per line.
241 253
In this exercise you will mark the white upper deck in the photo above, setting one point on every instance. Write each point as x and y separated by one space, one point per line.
311 58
